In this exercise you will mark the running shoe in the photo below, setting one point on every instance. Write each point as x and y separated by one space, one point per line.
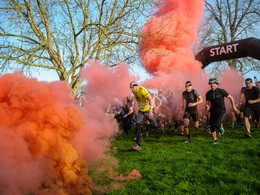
207 129
136 148
187 141
231 126
215 142
248 135
222 131
181 133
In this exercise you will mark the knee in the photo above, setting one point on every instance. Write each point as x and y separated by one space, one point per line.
186 122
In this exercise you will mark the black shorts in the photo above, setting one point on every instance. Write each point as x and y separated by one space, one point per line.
188 115
252 109
242 108
216 118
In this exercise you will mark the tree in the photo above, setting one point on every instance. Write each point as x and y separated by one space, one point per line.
227 21
63 35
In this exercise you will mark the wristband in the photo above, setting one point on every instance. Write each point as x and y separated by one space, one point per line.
254 101
194 104
234 108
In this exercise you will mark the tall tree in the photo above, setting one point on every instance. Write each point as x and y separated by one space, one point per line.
227 21
63 35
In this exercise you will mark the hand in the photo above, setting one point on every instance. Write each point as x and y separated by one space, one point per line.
251 101
191 105
236 110
150 115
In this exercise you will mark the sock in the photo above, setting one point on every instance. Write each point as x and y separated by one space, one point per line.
187 131
176 125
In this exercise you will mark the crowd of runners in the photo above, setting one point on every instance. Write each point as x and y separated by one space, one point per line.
165 111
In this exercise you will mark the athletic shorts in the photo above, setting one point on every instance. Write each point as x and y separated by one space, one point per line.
252 109
242 108
216 119
189 115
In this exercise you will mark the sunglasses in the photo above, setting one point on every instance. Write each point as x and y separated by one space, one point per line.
213 82
132 85
188 84
248 81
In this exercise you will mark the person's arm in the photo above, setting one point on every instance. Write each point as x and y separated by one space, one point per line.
131 110
151 104
108 108
241 98
199 101
160 103
254 101
183 103
207 105
233 103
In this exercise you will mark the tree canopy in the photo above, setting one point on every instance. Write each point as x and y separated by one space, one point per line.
227 21
64 35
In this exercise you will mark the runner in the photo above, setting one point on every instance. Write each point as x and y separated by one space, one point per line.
191 98
252 103
215 97
145 112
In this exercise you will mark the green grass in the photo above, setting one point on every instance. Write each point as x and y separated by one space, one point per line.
170 166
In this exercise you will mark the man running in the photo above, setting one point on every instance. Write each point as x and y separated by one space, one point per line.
252 104
215 97
145 112
191 98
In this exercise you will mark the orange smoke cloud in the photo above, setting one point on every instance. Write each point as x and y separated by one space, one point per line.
37 124
168 36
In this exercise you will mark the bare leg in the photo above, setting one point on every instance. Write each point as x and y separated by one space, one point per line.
247 125
214 135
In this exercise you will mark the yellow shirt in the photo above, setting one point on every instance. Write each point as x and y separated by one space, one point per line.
140 97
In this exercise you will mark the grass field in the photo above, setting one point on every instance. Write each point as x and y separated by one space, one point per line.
170 166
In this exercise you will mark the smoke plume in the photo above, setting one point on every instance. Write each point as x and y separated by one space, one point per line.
168 35
103 84
37 124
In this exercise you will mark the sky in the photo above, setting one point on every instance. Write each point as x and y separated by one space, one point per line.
136 70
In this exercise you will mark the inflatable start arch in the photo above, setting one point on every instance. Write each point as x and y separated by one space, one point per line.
249 47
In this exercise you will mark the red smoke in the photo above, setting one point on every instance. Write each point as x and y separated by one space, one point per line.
38 120
165 50
103 84
168 36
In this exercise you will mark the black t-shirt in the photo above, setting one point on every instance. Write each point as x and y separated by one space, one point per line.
190 97
216 99
251 94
